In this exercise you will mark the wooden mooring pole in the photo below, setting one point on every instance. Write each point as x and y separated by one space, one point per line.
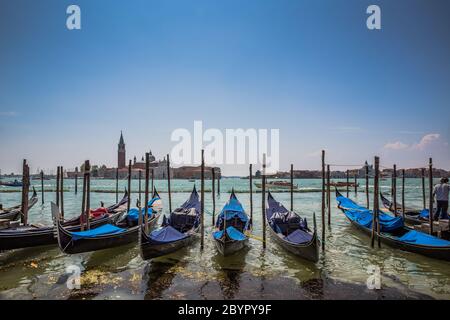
348 182
424 198
129 187
57 186
430 187
375 202
168 183
140 188
394 189
117 185
251 190
25 191
356 182
202 200
263 200
88 194
329 194
61 189
147 172
153 180
323 200
42 187
76 180
403 193
292 187
83 201
367 186
213 194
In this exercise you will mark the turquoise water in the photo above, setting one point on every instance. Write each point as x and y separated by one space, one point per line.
121 273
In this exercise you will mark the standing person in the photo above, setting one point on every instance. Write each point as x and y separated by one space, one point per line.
440 192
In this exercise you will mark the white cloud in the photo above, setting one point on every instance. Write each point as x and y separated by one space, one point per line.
422 144
396 145
426 140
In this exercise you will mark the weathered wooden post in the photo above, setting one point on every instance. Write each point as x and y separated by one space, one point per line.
213 193
292 187
61 189
403 193
83 201
147 173
117 185
424 198
57 186
153 180
348 183
25 191
129 187
168 183
328 194
323 200
88 194
430 185
251 190
394 189
356 182
42 186
375 202
218 183
140 190
202 200
367 185
263 200
76 180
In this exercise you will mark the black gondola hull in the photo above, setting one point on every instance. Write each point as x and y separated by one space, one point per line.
16 239
70 246
441 253
308 251
151 249
229 247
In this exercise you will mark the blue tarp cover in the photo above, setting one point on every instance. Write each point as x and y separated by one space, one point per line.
421 238
167 234
100 231
298 236
232 209
133 214
424 213
232 232
364 217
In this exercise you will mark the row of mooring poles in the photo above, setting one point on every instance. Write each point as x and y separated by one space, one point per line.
25 191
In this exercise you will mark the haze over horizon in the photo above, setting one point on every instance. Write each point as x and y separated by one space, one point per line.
317 74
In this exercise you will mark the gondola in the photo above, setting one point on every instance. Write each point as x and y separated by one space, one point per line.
15 183
233 227
291 231
34 235
14 213
107 236
393 232
412 216
180 230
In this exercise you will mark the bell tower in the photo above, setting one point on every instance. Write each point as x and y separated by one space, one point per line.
121 153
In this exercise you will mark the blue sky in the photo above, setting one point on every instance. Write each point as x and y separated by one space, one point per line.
310 68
